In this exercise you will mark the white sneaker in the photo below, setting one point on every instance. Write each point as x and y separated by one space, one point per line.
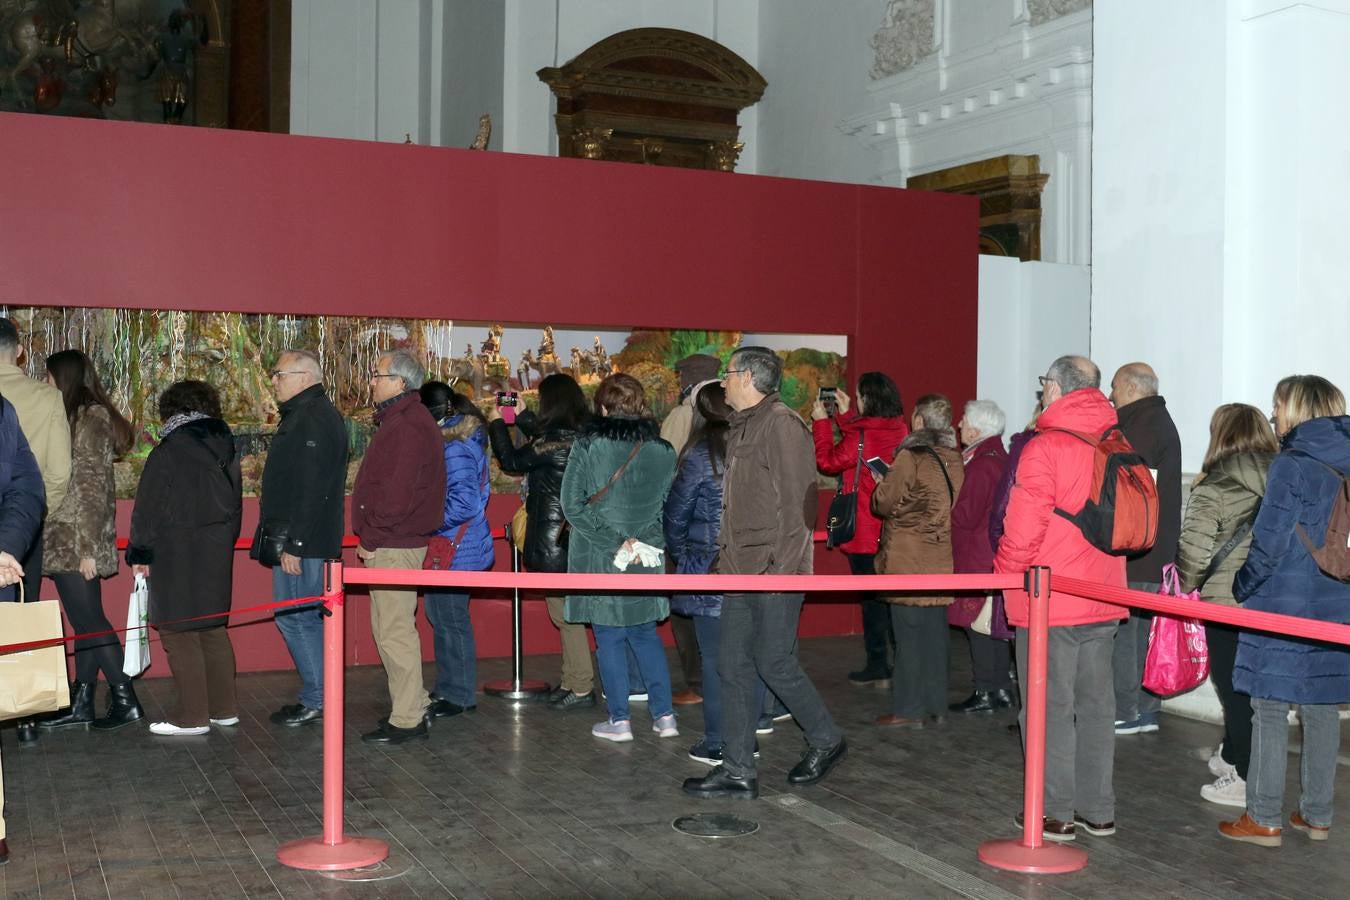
637 698
618 732
1217 767
232 720
1227 790
665 726
168 729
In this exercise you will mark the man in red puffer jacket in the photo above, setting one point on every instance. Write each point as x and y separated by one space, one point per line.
881 422
1056 471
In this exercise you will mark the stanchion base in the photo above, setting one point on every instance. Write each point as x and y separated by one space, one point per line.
319 856
1049 859
507 689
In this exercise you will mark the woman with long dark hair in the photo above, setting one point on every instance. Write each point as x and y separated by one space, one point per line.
875 429
81 535
465 526
693 519
542 459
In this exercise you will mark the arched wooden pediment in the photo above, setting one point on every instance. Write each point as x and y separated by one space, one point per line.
654 95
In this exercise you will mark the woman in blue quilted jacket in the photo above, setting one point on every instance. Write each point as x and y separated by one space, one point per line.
1281 575
693 518
465 527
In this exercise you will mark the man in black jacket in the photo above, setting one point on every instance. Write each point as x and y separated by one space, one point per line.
1148 427
302 491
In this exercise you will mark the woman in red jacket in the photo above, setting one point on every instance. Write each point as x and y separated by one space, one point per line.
880 426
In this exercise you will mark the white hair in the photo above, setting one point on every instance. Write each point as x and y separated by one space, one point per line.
985 417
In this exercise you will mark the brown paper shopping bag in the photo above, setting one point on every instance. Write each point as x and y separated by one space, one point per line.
32 681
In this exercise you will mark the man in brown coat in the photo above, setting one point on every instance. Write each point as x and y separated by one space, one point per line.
768 513
398 500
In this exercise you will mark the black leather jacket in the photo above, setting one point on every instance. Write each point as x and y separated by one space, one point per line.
543 458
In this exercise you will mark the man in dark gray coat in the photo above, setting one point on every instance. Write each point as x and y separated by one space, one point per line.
1148 427
768 514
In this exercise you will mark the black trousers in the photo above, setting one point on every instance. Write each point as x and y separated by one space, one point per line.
686 645
989 660
878 638
1237 708
82 600
32 569
919 685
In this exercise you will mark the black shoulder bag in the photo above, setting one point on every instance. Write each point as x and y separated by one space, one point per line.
1227 549
843 516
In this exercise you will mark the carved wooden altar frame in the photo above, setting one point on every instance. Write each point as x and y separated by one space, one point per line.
657 96
1009 189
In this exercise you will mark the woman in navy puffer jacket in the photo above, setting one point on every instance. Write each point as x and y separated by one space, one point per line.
1281 576
693 518
465 525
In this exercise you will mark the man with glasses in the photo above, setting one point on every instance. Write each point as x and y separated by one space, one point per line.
768 514
303 484
398 501
1054 474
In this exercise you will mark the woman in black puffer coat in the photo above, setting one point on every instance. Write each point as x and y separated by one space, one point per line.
542 459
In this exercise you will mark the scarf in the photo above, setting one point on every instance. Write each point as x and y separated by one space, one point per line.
172 423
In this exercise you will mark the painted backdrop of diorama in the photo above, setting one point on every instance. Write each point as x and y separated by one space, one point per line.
138 353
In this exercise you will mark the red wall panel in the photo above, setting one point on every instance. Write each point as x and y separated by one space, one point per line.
128 215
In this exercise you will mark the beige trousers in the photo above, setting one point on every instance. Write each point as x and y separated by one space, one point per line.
577 674
393 623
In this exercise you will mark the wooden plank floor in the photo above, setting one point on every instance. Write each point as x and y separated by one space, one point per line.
523 802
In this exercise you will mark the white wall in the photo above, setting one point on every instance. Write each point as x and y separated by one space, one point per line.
799 135
1218 180
1029 314
468 40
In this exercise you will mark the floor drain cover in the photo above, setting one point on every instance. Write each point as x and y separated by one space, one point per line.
381 871
715 825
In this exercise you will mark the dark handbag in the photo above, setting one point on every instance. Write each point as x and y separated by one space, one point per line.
269 542
842 520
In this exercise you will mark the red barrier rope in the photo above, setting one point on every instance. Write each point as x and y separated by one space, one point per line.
666 584
1249 619
53 642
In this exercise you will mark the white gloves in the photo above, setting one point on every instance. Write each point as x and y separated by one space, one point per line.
646 554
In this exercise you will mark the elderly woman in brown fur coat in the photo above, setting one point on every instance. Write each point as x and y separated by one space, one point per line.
914 503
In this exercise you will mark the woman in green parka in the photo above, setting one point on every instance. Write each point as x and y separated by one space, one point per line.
1215 538
613 494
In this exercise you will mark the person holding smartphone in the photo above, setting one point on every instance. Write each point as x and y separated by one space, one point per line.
878 427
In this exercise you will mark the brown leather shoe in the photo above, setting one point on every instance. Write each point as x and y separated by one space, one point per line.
1096 829
1052 829
686 698
891 720
1246 830
1314 832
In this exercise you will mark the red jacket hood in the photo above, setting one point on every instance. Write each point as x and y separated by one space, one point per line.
1085 410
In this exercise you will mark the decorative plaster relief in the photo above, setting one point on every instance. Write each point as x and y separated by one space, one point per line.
906 38
1045 10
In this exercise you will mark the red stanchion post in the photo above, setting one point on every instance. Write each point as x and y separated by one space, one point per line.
1030 853
517 687
333 851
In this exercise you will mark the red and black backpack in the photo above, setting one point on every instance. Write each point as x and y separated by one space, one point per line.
1120 516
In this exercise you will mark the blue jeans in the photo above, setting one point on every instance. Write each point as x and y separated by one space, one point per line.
636 683
456 655
1266 772
301 627
610 653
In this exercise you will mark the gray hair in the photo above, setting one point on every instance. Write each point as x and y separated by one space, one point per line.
405 366
934 411
303 361
985 417
764 366
1144 379
1073 373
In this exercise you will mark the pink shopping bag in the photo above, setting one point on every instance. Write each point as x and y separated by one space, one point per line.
1178 656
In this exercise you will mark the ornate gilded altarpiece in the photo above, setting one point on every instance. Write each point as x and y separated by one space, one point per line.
656 96
1009 188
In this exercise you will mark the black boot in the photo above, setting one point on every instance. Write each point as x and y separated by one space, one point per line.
979 701
81 710
122 710
28 732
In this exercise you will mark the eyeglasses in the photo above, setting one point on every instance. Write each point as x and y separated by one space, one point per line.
374 375
730 372
281 373
1045 379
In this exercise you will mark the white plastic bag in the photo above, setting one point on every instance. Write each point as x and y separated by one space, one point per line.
137 656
